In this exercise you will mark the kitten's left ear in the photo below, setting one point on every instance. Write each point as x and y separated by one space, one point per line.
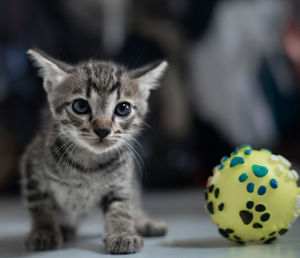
148 76
52 71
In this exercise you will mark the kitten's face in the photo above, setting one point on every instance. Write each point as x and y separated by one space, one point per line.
99 105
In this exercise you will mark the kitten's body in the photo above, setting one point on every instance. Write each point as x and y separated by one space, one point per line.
82 160
75 190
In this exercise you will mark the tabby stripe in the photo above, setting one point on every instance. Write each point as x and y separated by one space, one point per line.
119 73
84 130
119 209
88 90
37 197
66 122
108 199
116 86
31 184
74 120
117 165
42 218
77 91
126 124
90 83
108 163
118 94
35 209
61 107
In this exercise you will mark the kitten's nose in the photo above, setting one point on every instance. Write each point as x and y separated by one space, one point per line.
102 132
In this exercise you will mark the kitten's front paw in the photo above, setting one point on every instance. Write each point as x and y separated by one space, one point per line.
41 240
123 243
148 227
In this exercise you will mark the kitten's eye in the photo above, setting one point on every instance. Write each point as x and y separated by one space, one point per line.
81 106
123 109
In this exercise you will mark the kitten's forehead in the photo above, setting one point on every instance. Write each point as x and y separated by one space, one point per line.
101 77
104 79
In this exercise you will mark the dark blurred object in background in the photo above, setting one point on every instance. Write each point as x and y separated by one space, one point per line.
233 78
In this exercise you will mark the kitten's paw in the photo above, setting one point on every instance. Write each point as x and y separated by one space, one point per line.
123 243
41 240
148 227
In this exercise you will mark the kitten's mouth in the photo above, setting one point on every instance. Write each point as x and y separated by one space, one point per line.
101 143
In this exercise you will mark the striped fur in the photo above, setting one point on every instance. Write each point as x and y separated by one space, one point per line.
67 169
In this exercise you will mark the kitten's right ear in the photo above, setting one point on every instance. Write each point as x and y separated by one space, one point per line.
52 71
148 76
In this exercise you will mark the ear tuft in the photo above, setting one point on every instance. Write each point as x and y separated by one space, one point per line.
51 70
149 75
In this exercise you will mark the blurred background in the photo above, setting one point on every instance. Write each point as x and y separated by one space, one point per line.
234 76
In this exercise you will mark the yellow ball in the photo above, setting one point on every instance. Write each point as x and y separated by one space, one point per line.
253 195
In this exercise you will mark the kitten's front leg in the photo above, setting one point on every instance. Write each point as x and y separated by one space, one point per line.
120 236
45 233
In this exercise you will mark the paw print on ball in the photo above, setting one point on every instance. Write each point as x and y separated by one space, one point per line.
258 171
229 234
248 216
213 192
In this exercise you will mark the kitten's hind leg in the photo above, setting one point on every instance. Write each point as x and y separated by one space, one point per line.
150 227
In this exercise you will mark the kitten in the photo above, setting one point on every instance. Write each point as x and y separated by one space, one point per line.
83 155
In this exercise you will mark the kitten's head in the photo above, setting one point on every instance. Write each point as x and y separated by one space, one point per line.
99 104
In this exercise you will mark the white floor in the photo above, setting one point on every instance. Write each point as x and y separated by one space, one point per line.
191 233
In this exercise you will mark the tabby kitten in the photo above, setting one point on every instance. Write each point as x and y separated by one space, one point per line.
83 155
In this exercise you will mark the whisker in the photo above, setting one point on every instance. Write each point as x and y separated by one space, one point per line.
136 155
67 142
66 150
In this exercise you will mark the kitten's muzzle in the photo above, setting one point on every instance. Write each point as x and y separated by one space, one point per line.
102 132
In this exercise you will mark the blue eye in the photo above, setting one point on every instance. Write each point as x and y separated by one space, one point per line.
123 109
81 106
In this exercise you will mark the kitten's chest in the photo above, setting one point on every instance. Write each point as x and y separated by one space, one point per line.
75 199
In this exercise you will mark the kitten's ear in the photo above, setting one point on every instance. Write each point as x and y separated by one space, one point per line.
149 75
52 71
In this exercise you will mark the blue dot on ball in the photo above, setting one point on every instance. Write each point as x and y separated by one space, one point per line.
243 177
247 152
236 161
273 183
250 187
243 146
260 171
224 159
262 190
221 166
234 153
